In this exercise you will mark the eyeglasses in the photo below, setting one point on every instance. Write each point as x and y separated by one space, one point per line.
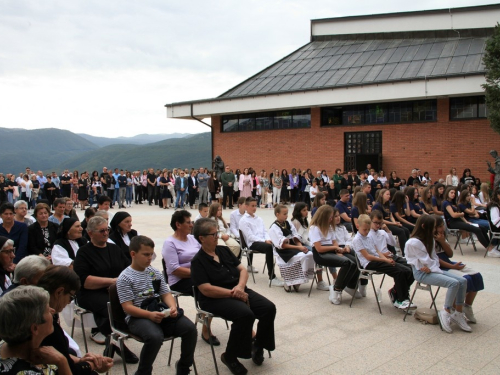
102 231
214 235
379 223
9 251
72 297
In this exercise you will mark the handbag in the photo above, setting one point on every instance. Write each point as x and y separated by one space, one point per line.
426 316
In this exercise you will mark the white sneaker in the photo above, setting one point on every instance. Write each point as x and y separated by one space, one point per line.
362 290
405 304
335 297
494 253
353 292
322 286
277 282
98 338
445 319
469 314
252 269
459 318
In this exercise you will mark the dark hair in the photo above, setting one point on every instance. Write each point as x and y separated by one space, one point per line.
103 199
179 217
7 206
435 194
463 196
201 206
59 276
380 197
241 200
376 214
296 215
317 198
250 200
399 201
89 212
424 231
343 192
59 201
410 193
447 191
138 241
360 201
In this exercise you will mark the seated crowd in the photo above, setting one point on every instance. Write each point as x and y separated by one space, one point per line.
51 258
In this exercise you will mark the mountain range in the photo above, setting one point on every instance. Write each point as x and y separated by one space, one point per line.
56 150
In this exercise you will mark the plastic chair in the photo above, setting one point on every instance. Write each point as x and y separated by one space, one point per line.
78 314
120 332
368 275
428 288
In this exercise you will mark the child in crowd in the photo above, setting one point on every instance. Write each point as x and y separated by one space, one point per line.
202 211
371 258
319 200
291 249
225 236
421 255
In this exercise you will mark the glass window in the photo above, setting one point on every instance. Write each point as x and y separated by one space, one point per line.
246 123
283 120
463 107
425 110
331 116
353 115
264 121
400 112
482 109
301 118
376 113
230 123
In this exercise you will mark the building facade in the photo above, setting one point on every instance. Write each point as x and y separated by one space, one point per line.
398 91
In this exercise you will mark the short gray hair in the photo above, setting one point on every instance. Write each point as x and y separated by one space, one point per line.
95 222
202 226
19 204
102 213
30 267
20 309
7 243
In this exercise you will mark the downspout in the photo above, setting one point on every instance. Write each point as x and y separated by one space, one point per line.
211 130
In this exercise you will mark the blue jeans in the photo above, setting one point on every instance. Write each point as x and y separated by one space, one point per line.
128 195
480 222
457 285
116 196
153 333
179 200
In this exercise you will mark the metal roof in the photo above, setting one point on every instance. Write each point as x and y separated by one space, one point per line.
349 62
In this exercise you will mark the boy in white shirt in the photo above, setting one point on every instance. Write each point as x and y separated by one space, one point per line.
202 211
371 258
235 218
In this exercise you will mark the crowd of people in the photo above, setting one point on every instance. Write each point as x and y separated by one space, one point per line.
50 258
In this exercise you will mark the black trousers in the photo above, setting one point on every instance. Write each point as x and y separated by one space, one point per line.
402 275
192 197
402 233
227 196
348 273
151 193
243 317
265 248
480 232
97 302
138 193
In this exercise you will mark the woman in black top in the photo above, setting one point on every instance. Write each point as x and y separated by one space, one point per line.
98 264
394 181
69 240
83 190
285 193
62 284
42 234
121 231
50 191
221 280
3 190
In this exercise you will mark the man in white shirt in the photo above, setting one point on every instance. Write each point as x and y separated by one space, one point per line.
236 216
257 238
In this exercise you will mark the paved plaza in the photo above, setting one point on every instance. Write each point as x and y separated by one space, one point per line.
315 337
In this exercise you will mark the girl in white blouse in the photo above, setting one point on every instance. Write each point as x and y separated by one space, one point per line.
225 238
421 255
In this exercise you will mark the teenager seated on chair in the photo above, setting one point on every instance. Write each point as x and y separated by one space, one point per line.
421 255
327 252
221 280
344 207
257 238
372 258
290 249
493 215
383 240
474 279
139 282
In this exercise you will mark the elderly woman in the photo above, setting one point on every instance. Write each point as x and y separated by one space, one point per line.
68 242
99 263
22 216
14 230
221 280
62 284
42 234
7 255
28 270
26 321
121 231
69 210
177 252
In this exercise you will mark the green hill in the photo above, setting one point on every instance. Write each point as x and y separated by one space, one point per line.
40 149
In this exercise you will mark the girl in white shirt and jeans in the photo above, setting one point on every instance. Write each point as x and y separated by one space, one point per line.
420 254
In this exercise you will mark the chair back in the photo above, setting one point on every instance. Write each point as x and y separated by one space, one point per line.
116 313
493 228
243 241
164 265
195 296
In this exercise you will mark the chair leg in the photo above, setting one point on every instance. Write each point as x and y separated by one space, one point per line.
269 352
73 325
194 367
411 300
312 283
328 276
433 297
382 282
122 354
171 348
375 293
83 333
207 323
357 286
249 261
227 325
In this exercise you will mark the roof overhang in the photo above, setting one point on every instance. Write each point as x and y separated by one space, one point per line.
381 92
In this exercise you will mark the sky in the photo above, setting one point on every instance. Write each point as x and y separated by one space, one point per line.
107 68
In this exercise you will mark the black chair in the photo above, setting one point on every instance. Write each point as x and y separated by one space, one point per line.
493 231
245 252
120 332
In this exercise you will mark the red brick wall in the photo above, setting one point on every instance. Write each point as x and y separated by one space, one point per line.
434 147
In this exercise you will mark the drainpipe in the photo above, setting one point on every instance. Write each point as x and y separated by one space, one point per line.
211 130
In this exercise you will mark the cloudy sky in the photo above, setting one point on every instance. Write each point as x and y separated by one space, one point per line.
107 68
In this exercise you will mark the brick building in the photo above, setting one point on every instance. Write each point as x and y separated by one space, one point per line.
399 91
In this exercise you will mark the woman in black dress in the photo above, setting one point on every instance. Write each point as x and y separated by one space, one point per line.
83 190
285 193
